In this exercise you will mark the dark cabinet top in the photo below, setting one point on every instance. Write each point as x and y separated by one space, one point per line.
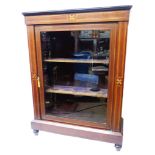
99 9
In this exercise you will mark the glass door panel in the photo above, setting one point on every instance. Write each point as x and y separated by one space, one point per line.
75 74
75 69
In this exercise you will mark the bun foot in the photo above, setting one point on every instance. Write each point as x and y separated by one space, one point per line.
36 132
118 147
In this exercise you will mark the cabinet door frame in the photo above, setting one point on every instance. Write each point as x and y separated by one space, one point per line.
111 77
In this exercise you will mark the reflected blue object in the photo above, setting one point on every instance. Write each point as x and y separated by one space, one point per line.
82 55
82 68
86 80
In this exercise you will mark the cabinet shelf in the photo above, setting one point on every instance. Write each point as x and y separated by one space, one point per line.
77 91
67 60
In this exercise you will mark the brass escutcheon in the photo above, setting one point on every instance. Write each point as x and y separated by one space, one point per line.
38 81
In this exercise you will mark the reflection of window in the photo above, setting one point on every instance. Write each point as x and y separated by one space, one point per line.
86 34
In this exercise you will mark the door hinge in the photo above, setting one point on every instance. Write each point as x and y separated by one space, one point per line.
38 81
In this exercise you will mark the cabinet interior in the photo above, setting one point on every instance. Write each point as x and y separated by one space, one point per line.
75 74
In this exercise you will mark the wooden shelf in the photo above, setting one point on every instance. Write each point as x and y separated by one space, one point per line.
79 91
66 60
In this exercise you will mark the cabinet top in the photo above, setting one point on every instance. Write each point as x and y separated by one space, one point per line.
99 9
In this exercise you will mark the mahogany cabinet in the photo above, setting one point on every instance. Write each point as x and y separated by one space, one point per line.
77 60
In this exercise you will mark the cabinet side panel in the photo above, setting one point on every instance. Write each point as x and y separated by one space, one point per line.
119 74
33 67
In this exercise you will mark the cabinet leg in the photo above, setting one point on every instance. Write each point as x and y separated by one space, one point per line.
118 147
36 132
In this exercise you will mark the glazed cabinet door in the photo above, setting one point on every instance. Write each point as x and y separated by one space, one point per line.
75 64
